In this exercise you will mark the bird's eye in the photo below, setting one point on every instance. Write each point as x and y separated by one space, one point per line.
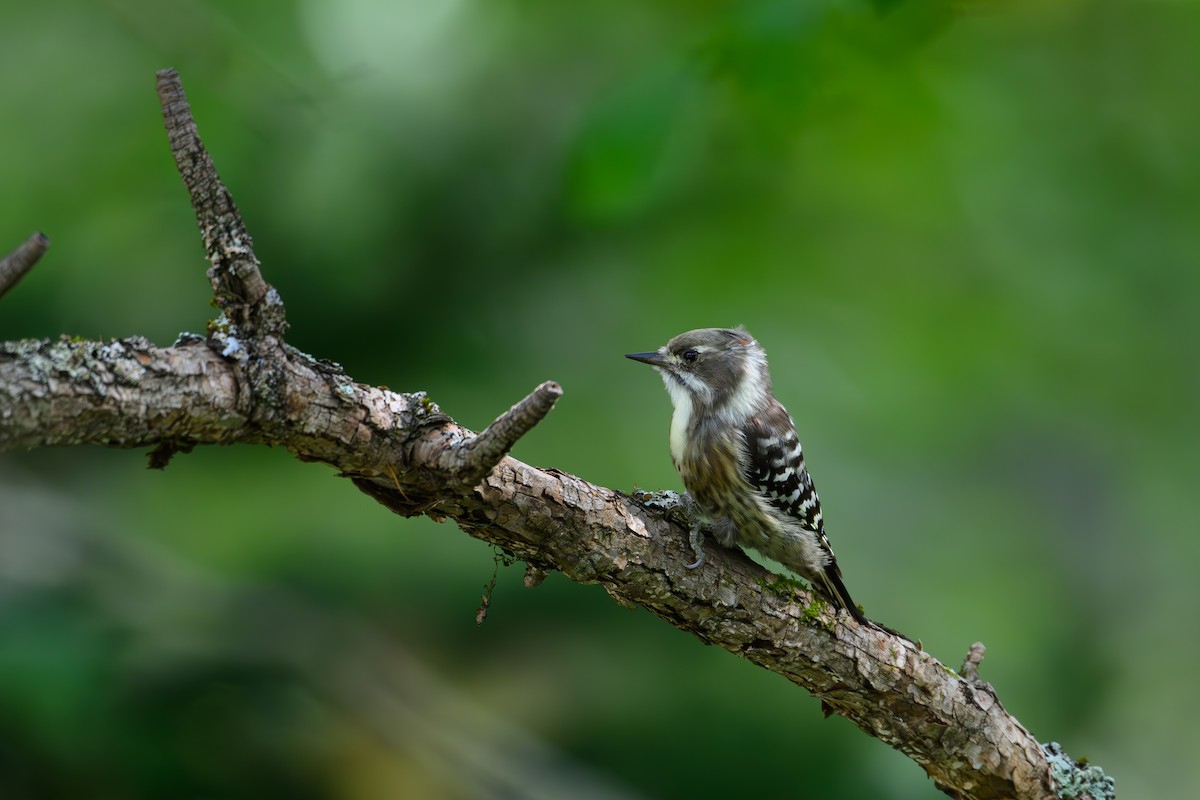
690 355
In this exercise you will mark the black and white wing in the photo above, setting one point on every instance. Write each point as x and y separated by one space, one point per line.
775 467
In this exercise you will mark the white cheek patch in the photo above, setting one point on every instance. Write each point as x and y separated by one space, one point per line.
750 395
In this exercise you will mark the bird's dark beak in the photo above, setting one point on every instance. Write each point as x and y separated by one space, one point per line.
654 359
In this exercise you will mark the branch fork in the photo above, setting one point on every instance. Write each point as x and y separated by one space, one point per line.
252 304
474 458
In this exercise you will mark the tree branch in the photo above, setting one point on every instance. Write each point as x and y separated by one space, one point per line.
475 458
404 452
14 265
252 305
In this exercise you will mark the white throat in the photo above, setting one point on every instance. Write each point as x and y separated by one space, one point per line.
681 399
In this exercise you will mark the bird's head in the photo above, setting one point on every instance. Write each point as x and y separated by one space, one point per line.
722 369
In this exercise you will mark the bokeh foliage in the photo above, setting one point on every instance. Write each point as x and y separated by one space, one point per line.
965 233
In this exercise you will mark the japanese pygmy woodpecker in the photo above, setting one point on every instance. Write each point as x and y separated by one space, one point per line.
735 448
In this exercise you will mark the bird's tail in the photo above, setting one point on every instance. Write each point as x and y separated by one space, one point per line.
830 585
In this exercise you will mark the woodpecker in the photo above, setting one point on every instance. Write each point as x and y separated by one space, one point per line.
736 449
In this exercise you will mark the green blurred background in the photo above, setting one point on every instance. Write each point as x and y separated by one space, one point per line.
965 233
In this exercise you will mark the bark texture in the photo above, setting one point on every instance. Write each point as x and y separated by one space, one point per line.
241 383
